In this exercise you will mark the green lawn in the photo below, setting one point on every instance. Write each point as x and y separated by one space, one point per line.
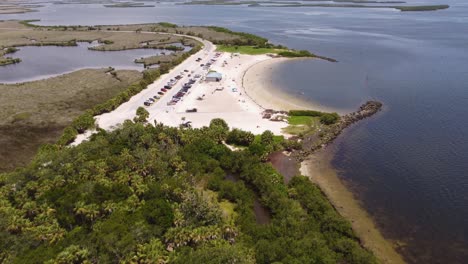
250 50
302 124
301 120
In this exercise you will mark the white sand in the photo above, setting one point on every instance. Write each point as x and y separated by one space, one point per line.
229 102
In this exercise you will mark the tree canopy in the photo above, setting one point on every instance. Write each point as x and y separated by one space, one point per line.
153 194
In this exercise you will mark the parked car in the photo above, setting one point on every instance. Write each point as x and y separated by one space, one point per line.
160 93
151 99
157 97
147 103
167 87
193 110
186 70
163 90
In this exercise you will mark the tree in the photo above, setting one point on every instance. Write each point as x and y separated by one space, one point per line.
72 255
141 115
83 122
218 129
267 138
328 119
239 137
159 213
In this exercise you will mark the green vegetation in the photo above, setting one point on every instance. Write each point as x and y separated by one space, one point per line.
329 118
246 38
35 113
8 60
251 50
153 194
257 50
301 120
325 118
303 125
296 53
141 115
305 122
10 50
239 137
167 25
422 8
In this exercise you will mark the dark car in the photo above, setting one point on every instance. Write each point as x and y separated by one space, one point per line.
193 110
147 103
163 90
161 93
151 99
167 87
186 70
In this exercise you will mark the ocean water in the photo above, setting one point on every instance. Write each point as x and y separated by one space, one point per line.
409 164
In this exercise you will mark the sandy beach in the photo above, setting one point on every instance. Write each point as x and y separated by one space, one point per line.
258 84
321 172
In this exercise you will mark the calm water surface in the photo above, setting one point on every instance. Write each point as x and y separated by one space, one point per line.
42 62
409 164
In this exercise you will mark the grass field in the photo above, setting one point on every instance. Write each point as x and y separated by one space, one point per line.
301 125
36 112
250 50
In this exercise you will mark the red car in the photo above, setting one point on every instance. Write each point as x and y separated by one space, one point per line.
164 90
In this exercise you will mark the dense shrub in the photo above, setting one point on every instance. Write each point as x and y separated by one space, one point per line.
293 53
329 118
325 118
240 137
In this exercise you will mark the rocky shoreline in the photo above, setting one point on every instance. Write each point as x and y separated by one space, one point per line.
319 140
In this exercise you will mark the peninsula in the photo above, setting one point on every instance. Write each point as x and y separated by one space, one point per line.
174 168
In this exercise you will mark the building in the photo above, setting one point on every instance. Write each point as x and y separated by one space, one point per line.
213 77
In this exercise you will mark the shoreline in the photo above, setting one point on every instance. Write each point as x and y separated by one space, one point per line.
257 84
317 167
